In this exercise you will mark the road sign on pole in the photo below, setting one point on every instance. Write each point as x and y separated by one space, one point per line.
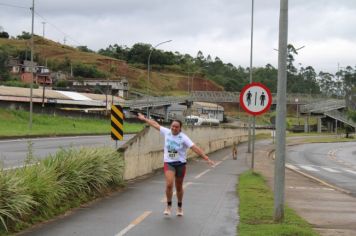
255 98
117 122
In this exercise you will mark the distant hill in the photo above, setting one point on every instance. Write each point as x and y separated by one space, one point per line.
162 82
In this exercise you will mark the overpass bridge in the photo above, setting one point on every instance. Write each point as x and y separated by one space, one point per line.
212 97
19 98
233 97
331 110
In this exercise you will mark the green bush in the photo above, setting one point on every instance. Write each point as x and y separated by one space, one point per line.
50 187
87 71
16 83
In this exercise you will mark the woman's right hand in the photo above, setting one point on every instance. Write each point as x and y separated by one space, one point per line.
141 117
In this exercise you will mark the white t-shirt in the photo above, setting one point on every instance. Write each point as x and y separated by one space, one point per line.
175 146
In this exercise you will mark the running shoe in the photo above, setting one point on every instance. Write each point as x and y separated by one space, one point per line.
179 211
167 211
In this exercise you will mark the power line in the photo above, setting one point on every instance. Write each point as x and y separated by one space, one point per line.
44 19
58 29
15 6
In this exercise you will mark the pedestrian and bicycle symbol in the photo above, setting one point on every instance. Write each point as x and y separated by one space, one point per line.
255 98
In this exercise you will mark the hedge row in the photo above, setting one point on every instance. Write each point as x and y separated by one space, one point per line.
52 186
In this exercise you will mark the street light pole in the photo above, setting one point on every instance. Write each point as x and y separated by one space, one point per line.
249 118
148 70
32 67
279 169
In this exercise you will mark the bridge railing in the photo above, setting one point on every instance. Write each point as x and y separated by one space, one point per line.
213 96
341 117
223 96
324 106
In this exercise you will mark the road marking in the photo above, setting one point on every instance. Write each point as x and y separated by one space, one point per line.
290 166
20 166
309 188
217 163
309 168
351 171
202 173
134 223
330 170
225 158
164 199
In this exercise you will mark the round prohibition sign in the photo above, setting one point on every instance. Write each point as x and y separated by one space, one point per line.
255 98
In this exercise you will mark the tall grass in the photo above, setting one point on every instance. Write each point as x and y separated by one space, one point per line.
15 123
56 184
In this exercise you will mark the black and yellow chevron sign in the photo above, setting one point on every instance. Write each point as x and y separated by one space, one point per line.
117 122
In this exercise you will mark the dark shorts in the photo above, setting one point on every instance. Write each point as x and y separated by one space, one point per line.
177 166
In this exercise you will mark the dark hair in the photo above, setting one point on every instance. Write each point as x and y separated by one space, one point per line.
180 122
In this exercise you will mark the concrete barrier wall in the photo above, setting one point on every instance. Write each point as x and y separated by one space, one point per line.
144 153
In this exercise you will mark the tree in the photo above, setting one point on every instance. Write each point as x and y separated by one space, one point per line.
290 59
326 83
4 34
84 49
139 53
3 59
24 35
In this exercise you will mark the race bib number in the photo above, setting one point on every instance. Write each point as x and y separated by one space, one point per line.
173 154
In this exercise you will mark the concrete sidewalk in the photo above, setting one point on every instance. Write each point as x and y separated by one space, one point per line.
329 211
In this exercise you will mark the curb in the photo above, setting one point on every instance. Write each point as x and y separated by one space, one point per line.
272 152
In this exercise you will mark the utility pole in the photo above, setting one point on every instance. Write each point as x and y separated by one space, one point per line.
43 28
249 118
279 170
32 66
148 73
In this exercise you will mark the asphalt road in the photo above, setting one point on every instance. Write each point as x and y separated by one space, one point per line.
14 152
334 163
210 205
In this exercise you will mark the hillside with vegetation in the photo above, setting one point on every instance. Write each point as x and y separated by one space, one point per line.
172 73
85 64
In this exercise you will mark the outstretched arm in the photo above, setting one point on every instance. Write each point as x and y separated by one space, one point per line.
201 153
152 123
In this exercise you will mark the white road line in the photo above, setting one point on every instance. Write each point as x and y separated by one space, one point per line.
350 171
134 223
330 170
309 188
202 173
19 167
225 158
217 163
290 166
309 168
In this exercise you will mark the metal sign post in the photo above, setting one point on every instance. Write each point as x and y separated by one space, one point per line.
255 99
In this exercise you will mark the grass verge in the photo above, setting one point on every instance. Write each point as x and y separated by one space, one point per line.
15 123
256 211
42 190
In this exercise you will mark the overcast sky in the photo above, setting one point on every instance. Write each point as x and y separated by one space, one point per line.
327 28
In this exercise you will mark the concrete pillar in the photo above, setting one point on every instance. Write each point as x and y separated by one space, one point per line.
306 124
189 108
319 124
166 114
335 126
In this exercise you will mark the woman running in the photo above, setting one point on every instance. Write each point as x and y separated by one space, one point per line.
176 144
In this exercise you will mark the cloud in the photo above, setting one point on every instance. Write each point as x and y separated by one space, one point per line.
216 27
